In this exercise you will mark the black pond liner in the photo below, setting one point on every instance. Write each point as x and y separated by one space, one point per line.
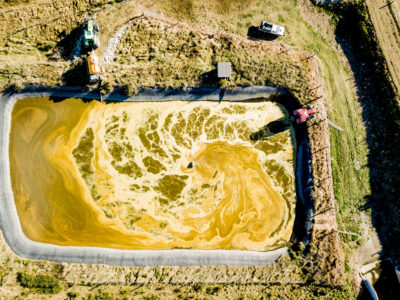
304 213
303 224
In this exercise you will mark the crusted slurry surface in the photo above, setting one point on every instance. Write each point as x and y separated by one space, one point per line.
384 19
117 175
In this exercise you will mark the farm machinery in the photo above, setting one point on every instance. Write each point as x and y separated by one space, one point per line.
302 115
91 38
91 41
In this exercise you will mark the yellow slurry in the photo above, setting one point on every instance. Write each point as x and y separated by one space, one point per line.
116 175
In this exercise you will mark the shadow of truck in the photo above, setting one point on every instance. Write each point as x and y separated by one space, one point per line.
253 33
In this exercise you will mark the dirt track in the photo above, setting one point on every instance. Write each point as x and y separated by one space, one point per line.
388 33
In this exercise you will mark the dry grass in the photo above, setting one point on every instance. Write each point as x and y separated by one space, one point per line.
163 282
175 56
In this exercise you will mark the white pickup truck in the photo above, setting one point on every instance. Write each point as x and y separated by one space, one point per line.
270 28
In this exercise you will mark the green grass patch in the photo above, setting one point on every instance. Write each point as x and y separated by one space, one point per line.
39 283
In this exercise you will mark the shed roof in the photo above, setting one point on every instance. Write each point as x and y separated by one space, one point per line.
224 69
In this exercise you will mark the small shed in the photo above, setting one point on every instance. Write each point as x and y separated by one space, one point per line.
224 69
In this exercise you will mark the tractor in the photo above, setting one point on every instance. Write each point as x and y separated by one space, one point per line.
303 114
91 38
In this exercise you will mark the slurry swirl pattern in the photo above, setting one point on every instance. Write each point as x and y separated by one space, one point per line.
118 175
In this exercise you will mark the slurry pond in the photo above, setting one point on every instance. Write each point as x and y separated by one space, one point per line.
152 175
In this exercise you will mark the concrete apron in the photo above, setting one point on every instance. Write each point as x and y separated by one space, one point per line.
24 247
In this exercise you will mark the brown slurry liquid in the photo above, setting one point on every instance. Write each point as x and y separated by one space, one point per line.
117 176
